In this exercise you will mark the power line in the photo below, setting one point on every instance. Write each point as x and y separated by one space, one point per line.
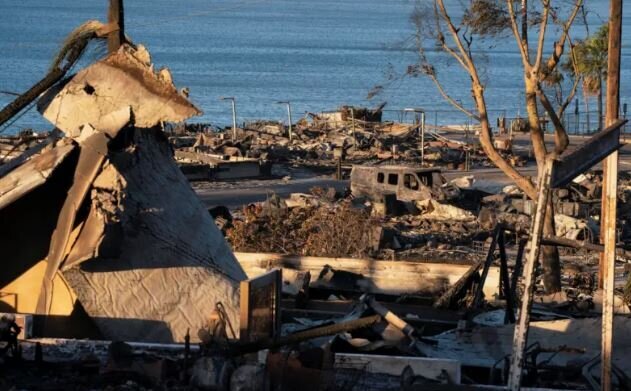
18 116
199 13
9 93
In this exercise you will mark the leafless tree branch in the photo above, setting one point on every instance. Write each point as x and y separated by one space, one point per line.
559 46
542 34
575 84
449 99
521 43
561 140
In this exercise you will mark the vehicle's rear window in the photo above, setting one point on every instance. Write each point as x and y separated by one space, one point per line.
393 179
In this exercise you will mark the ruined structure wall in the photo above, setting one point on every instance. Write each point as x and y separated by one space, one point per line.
161 265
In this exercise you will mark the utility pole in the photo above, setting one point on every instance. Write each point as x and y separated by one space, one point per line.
234 116
419 120
422 137
116 19
353 126
288 116
609 195
115 38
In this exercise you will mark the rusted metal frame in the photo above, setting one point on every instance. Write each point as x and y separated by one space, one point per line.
456 289
623 379
490 257
504 281
520 336
116 19
274 278
506 290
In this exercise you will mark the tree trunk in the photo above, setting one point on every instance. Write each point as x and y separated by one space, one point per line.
524 24
550 262
550 255
486 141
536 134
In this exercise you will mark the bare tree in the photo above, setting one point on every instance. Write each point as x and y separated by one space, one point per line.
455 30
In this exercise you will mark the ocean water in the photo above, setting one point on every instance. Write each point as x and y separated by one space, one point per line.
318 54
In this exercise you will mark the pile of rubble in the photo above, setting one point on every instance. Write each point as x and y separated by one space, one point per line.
306 225
412 227
325 139
26 141
328 224
408 281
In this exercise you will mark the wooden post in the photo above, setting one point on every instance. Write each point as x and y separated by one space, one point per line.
116 17
353 126
609 196
338 170
608 257
520 337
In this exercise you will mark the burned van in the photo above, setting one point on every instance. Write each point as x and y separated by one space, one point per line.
408 183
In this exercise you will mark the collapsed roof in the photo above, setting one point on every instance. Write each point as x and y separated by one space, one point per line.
103 218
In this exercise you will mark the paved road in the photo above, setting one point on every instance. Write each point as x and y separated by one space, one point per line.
245 192
233 195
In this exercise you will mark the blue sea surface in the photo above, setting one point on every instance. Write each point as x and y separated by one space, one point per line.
318 54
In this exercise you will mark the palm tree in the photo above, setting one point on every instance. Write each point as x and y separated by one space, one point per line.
590 56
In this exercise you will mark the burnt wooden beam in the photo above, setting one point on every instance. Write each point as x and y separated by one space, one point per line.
582 244
587 155
609 196
291 339
520 336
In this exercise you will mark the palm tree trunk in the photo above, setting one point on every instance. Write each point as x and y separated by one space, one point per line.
600 103
586 100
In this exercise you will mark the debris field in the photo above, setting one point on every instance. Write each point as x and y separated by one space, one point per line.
118 276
